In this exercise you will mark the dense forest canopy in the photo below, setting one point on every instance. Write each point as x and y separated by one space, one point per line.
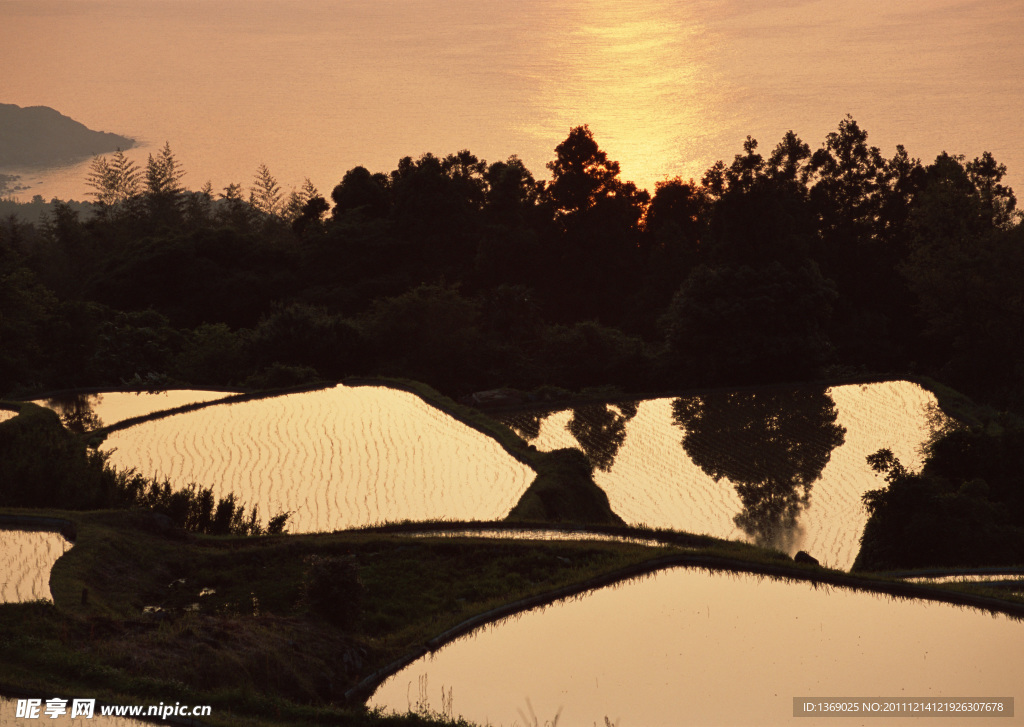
784 265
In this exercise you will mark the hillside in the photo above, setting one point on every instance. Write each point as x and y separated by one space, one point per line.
41 136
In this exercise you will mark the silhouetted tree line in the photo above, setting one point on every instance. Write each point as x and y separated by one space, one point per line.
470 275
965 508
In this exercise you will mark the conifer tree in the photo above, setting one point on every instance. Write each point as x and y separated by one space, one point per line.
163 175
265 193
298 199
115 180
164 192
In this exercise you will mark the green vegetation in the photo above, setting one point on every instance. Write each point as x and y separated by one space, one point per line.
273 637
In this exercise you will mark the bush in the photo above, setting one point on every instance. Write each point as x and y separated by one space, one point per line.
928 520
299 335
589 354
42 464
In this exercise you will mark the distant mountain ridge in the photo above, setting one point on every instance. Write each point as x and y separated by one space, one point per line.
41 136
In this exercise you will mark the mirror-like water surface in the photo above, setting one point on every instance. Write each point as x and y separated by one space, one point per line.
335 458
82 412
782 467
6 414
26 559
692 647
505 534
315 88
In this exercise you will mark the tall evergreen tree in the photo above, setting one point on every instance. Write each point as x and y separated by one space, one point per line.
116 180
163 185
265 194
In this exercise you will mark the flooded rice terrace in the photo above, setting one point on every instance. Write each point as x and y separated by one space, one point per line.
335 458
83 412
781 467
26 559
691 647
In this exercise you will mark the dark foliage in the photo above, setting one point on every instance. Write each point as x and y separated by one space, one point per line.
43 464
470 275
965 508
738 325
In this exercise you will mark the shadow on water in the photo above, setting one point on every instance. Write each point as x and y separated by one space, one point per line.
526 424
772 446
77 411
600 430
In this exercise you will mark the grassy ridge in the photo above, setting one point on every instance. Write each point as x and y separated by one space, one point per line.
258 652
255 646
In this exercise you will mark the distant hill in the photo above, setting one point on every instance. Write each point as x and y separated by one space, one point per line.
38 136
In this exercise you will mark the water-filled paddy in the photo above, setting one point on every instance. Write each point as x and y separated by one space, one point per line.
692 647
537 534
6 414
335 458
784 467
83 412
26 559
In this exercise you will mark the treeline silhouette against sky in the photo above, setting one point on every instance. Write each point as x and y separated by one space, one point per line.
785 265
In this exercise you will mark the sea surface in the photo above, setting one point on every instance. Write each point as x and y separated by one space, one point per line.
316 87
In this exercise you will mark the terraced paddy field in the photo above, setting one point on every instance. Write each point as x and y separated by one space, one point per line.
336 458
688 646
781 467
26 559
92 411
6 414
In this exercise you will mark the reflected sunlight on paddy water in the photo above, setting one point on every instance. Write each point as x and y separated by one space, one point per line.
313 89
781 467
693 647
26 558
649 466
335 458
